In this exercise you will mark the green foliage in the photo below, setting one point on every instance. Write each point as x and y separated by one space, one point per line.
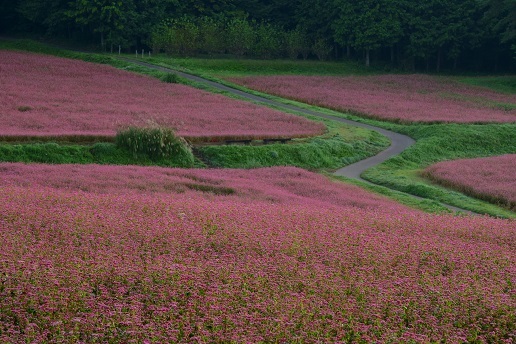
171 78
367 24
322 49
106 17
268 41
421 34
240 36
210 39
156 143
297 43
181 37
98 153
503 12
51 153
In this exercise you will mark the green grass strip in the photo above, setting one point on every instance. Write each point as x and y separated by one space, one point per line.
98 153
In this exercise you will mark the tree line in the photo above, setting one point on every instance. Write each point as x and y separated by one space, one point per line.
477 35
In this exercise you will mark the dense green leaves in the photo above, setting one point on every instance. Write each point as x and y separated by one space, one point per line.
432 34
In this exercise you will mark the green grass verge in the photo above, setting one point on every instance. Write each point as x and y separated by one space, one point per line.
341 146
98 153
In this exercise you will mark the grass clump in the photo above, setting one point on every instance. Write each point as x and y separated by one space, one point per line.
156 143
171 78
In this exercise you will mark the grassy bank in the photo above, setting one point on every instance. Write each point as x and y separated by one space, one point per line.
98 153
341 146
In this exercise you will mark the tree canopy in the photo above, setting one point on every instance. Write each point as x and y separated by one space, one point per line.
428 35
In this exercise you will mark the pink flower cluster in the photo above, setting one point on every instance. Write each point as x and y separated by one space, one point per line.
191 267
406 98
493 178
44 95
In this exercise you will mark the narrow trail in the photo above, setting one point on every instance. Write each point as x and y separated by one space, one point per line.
399 142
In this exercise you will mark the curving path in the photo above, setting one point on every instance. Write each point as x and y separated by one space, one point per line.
399 142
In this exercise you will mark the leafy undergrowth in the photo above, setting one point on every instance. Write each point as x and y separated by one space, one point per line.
492 179
194 266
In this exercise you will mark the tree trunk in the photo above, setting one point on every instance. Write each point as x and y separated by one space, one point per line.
455 62
392 55
348 51
367 58
102 40
438 65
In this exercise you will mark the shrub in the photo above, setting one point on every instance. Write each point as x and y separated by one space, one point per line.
157 143
171 78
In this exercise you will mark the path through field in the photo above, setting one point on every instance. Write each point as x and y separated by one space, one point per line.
399 142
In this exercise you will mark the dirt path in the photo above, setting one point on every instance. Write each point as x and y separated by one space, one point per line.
399 142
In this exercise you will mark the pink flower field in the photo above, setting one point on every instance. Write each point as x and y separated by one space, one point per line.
97 254
493 179
405 98
279 185
44 95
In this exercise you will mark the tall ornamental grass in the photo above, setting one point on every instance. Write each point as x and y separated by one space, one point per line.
156 143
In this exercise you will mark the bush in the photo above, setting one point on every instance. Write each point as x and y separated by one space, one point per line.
171 78
157 143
